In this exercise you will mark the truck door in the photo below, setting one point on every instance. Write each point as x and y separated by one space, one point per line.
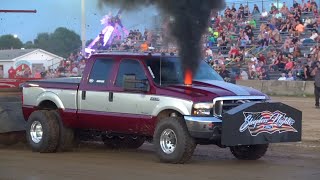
93 96
126 103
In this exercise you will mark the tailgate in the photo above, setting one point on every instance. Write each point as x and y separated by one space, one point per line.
261 123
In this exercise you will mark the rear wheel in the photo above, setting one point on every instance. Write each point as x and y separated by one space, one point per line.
43 131
172 141
249 152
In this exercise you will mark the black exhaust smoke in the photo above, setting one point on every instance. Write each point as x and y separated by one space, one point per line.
191 18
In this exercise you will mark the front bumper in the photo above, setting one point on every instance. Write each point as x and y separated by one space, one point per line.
249 123
204 127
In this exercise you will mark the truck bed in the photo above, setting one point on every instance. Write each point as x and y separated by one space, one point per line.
70 80
63 92
59 83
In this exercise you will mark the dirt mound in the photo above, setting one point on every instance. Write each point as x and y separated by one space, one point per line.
12 138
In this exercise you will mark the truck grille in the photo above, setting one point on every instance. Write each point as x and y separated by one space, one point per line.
224 104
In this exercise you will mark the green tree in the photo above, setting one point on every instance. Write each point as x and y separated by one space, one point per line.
61 42
29 45
43 41
10 42
64 41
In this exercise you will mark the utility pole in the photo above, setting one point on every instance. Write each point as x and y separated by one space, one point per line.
83 27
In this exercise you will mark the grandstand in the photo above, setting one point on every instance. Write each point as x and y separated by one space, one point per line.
253 49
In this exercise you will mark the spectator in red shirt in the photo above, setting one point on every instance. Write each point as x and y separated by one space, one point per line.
289 65
12 73
220 28
262 59
234 52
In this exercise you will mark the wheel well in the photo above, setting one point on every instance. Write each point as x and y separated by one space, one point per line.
168 113
47 104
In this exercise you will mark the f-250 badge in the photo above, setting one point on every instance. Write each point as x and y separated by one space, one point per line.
154 99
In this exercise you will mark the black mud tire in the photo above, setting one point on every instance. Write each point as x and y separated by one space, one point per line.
66 135
249 152
50 128
185 143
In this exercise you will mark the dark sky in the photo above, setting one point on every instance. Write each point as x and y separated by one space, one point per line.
64 13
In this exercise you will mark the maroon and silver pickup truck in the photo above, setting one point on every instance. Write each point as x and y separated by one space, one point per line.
128 98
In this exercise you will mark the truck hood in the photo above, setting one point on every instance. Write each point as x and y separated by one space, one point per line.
236 90
208 89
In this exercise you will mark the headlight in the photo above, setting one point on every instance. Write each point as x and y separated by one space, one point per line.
202 109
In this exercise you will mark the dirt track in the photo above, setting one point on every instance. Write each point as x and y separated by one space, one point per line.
208 162
285 161
310 115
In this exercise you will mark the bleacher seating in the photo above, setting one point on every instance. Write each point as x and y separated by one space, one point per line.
305 48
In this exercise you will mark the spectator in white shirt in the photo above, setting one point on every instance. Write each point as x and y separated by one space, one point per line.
283 77
264 14
75 71
208 52
254 60
314 35
290 77
244 75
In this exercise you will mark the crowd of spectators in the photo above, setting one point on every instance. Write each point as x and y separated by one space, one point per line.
73 66
137 41
285 42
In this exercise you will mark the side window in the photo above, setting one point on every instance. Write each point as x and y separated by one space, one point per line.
100 72
127 67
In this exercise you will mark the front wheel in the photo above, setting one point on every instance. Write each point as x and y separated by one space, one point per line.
249 152
172 141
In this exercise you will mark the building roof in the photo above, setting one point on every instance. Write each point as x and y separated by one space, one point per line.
14 53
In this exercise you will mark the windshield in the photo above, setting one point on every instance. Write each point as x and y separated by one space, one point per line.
169 71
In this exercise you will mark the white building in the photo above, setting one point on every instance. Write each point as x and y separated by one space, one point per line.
27 59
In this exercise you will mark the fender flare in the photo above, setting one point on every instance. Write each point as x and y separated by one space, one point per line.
50 96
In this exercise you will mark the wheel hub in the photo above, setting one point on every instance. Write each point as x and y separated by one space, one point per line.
36 132
168 141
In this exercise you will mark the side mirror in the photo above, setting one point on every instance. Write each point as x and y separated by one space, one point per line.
130 83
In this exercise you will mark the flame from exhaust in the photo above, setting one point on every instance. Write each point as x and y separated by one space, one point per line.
188 77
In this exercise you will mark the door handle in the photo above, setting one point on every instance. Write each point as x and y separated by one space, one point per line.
110 96
83 95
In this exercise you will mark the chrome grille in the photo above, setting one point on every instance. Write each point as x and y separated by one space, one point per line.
224 104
